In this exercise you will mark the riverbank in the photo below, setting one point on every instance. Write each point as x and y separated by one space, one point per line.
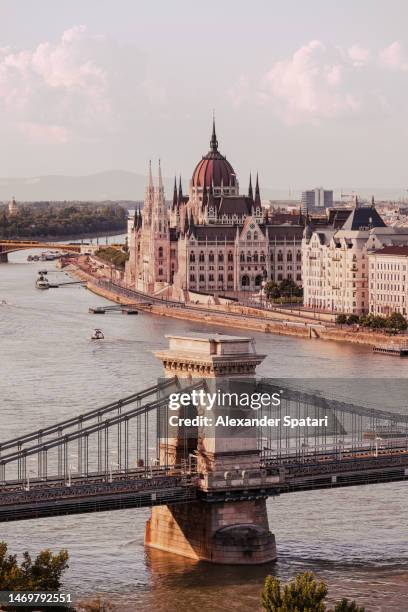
241 317
82 236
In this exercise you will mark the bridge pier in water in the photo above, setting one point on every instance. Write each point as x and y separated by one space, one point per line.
3 256
213 528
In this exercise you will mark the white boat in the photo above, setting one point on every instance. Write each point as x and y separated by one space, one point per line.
97 335
42 283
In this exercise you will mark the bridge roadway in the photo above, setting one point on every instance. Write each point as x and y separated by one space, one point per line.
9 246
143 487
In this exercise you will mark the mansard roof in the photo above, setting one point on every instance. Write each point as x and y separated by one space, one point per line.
215 232
235 205
283 232
363 218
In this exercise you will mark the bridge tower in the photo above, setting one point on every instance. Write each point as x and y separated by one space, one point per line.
213 529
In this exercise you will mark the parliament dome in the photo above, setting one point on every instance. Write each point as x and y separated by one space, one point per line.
214 169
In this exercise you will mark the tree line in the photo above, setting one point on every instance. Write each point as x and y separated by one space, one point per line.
48 221
395 322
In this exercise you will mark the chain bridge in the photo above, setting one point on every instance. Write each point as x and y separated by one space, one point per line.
206 485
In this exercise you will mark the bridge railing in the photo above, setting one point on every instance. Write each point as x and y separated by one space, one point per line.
108 440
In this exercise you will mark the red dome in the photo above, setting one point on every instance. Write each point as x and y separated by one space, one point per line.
213 168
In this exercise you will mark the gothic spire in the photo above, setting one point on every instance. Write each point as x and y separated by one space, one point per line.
257 194
160 177
250 191
150 177
180 193
175 194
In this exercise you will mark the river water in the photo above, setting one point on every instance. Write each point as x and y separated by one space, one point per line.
354 538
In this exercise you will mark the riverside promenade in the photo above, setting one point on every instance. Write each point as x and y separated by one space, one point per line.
230 315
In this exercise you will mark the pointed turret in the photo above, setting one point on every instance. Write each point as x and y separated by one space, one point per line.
149 197
250 191
174 206
257 194
180 192
160 178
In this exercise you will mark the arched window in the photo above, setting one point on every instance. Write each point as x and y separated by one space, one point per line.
192 257
230 256
289 256
245 281
299 256
255 235
258 280
262 257
280 256
160 252
201 256
160 271
211 256
271 256
255 257
230 277
249 257
220 257
248 235
242 256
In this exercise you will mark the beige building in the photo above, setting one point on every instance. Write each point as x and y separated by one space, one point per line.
335 269
388 278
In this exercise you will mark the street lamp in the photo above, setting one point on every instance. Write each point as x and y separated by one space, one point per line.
27 487
153 462
111 466
377 440
70 468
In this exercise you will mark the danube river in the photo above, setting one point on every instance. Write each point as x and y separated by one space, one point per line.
355 538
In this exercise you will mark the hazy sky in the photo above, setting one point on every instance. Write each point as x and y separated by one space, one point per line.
308 92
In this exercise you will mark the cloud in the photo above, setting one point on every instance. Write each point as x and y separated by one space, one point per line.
311 85
359 56
394 57
73 88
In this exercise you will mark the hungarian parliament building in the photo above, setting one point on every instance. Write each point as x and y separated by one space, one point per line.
213 239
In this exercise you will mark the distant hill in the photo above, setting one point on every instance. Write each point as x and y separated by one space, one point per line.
111 185
122 185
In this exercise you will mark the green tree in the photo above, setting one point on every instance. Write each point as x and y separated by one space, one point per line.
303 594
272 291
396 321
341 319
42 574
378 322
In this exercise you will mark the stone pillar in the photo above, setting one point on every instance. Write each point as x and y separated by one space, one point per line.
3 256
234 532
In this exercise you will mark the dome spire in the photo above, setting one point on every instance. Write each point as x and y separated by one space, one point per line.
214 141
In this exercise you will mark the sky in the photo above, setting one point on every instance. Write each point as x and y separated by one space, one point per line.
307 93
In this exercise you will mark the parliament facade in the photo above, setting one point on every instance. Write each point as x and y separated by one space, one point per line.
212 239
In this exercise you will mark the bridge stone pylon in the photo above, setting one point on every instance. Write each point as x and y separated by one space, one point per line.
213 529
